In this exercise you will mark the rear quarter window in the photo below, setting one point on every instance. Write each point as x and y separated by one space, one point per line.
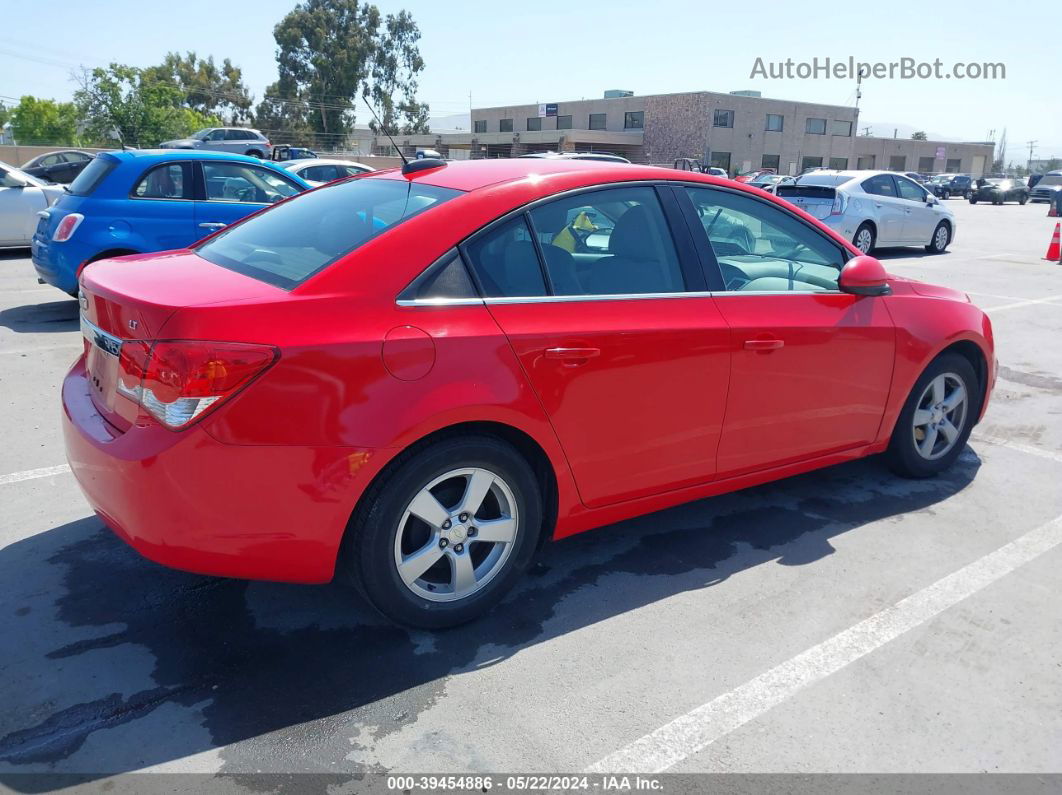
294 240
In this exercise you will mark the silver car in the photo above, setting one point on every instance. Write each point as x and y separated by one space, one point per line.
319 170
21 198
873 208
234 140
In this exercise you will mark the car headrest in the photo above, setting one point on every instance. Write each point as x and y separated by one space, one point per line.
633 236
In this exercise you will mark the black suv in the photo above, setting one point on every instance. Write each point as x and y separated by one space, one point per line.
944 186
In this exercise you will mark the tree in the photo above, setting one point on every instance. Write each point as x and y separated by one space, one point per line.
44 122
1054 164
919 136
207 88
283 119
330 52
118 104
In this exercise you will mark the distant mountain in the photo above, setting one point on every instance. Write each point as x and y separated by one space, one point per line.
460 122
884 129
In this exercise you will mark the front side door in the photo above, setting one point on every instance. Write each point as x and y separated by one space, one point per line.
920 219
160 209
886 208
231 191
625 350
811 366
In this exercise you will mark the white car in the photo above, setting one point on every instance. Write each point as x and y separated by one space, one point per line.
21 198
873 208
318 171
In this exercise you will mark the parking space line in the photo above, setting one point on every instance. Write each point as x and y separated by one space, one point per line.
999 441
699 728
1029 302
31 474
73 346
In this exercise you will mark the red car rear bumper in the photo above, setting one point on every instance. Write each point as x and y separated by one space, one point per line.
190 502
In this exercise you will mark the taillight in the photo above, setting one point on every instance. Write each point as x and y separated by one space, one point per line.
840 204
177 381
67 227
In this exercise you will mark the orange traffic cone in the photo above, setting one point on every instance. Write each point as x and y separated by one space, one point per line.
1051 211
1053 251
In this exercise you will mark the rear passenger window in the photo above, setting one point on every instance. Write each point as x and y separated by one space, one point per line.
608 242
881 185
169 181
506 263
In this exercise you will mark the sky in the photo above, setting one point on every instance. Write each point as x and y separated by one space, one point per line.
505 53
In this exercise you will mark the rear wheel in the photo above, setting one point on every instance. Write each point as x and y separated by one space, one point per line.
442 537
973 200
941 238
936 420
255 153
1022 200
864 238
947 194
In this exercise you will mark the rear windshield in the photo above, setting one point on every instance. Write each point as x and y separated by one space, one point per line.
294 240
806 191
91 176
824 179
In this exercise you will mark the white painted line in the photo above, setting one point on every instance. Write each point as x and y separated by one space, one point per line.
1030 302
999 441
73 346
30 474
699 728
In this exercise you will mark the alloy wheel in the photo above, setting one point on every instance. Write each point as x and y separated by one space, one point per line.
864 240
940 416
940 239
456 534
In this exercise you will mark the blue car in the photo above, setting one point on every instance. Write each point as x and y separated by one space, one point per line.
139 201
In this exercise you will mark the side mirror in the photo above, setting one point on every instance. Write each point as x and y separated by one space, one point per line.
864 275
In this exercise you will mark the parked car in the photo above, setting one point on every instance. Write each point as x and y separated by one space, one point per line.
60 167
693 164
603 156
1046 189
135 202
998 191
769 182
233 140
874 208
748 176
319 171
944 186
21 197
284 153
921 179
284 407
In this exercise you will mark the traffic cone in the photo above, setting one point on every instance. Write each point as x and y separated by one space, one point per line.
1051 211
1053 251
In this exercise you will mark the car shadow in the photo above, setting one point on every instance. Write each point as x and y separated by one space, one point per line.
14 253
908 252
111 642
46 317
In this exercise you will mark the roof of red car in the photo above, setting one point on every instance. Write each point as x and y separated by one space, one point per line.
472 174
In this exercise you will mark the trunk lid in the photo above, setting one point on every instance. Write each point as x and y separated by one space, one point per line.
815 200
127 299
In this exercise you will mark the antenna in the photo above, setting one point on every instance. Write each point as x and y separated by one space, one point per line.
365 96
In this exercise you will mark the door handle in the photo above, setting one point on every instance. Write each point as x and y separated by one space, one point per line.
572 356
763 345
214 225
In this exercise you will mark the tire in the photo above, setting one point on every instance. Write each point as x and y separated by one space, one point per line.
1022 200
864 236
947 195
904 456
973 200
255 153
967 195
385 529
941 238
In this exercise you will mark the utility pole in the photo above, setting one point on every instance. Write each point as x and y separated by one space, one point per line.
1032 146
866 131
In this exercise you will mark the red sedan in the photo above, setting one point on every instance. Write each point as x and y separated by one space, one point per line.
413 378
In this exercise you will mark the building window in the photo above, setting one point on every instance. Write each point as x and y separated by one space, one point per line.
564 122
775 122
954 164
839 163
634 120
897 162
815 126
534 123
866 162
723 118
841 128
721 160
597 121
810 162
479 126
505 125
771 161
925 164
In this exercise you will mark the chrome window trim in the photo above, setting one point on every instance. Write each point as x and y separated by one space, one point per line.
567 299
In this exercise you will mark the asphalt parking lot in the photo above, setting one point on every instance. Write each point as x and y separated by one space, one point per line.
840 621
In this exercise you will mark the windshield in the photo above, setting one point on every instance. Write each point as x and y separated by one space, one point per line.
298 238
12 177
1049 181
202 134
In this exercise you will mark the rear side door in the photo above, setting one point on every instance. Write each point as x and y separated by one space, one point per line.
229 191
886 208
811 366
624 348
160 210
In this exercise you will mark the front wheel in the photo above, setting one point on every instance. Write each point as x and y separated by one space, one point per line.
1022 200
973 200
941 238
936 420
442 537
947 195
